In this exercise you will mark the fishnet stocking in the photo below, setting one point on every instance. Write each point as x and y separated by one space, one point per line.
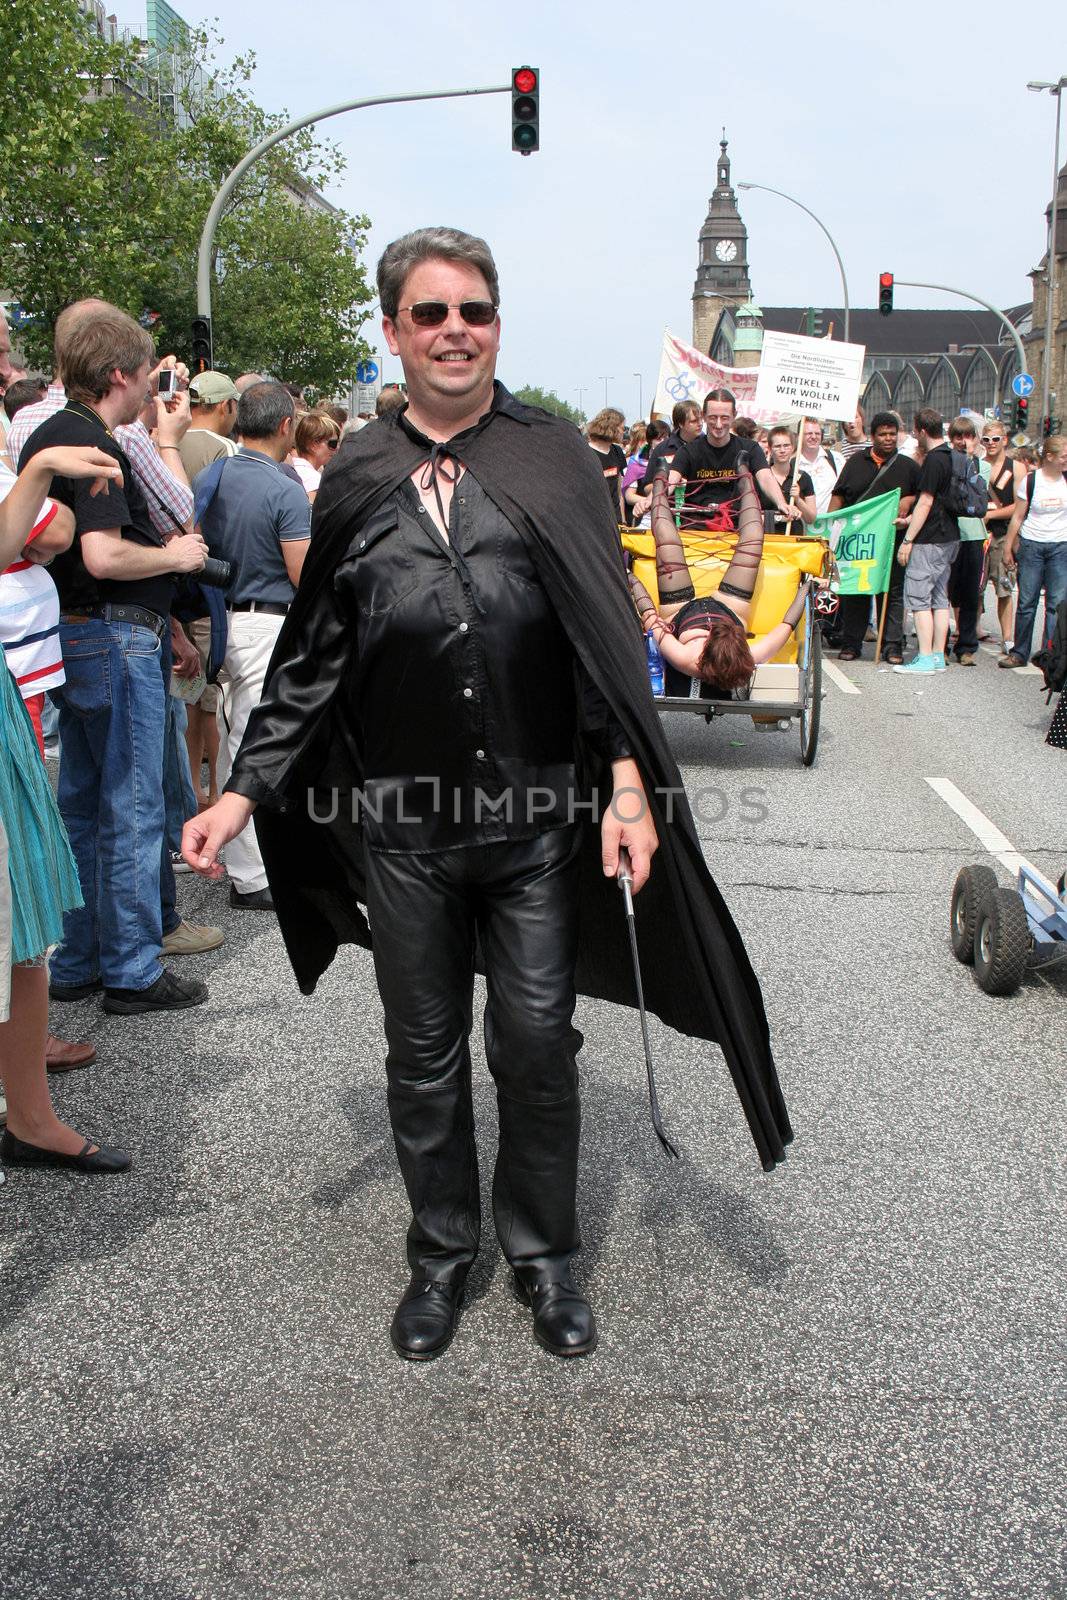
740 576
672 571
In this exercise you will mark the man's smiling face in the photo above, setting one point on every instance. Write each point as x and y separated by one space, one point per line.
451 364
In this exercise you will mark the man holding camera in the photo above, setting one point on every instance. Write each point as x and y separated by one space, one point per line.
116 584
259 521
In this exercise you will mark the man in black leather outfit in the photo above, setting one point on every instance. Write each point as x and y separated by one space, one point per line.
470 703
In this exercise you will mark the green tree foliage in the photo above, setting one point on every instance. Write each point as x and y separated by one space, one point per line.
109 160
549 401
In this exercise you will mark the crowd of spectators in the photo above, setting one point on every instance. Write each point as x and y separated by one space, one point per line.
133 657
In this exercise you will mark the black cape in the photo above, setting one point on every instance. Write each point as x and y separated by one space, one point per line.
303 744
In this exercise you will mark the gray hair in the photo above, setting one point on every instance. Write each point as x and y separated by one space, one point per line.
432 244
262 409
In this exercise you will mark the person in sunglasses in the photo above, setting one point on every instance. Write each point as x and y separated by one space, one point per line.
458 734
314 442
1002 478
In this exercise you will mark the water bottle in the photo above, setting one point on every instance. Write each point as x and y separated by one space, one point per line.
655 665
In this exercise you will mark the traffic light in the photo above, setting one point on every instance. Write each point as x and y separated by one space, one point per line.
885 293
1050 426
202 359
525 110
1022 415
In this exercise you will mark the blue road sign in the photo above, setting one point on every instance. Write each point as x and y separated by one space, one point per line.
367 372
1022 385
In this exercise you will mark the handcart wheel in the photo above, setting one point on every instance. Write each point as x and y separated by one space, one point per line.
1001 942
811 711
972 884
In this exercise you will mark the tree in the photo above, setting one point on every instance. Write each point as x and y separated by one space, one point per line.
549 401
106 176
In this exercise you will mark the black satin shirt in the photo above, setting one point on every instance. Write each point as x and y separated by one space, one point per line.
469 695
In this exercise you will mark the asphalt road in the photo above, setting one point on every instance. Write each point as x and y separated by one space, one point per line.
839 1382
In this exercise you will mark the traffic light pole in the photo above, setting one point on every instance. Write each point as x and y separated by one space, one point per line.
207 238
964 294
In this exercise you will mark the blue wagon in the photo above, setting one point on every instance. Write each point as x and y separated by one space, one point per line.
1000 932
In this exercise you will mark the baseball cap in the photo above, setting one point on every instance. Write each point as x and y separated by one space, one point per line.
211 388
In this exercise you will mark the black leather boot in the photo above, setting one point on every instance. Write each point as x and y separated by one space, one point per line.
425 1320
562 1317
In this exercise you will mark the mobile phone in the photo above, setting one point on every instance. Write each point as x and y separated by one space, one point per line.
167 383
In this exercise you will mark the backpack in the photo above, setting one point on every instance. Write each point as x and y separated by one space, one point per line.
967 494
1053 661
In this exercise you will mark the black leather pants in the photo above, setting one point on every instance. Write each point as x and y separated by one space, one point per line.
424 910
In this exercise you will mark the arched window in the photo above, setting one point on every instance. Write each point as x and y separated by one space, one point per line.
943 390
875 397
908 394
980 382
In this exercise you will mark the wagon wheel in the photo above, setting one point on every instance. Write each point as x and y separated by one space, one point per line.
972 884
1001 942
812 707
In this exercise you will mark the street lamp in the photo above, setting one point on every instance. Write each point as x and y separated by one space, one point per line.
1050 274
580 391
640 394
605 382
840 264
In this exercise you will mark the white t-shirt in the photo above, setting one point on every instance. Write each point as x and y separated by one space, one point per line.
824 472
1046 520
309 476
29 612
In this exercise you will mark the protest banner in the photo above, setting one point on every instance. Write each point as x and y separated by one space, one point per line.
809 377
685 374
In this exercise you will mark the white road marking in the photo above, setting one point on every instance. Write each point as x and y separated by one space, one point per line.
835 675
993 650
986 832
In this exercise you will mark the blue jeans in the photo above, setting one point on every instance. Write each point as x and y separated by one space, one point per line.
111 720
1041 566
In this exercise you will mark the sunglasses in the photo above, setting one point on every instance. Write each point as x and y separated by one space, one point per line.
993 438
433 313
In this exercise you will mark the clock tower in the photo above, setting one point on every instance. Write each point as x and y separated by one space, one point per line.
722 265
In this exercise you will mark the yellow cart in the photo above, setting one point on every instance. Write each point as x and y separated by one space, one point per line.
790 686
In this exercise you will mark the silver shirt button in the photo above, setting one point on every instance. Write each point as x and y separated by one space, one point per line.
464 627
480 754
468 694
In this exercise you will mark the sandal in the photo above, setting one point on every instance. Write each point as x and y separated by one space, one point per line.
894 658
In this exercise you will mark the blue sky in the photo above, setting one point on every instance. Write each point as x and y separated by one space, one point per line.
911 134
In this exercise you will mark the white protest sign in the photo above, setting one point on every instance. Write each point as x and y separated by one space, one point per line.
815 377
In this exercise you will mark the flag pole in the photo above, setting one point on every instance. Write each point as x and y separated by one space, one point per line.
881 621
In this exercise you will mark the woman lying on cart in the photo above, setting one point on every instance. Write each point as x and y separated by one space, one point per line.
707 638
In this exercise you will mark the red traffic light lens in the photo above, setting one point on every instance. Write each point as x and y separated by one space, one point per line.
524 80
1023 404
885 280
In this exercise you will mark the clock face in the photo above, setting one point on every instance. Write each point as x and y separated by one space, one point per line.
726 250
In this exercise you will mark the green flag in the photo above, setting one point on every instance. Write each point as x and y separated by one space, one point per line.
863 550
